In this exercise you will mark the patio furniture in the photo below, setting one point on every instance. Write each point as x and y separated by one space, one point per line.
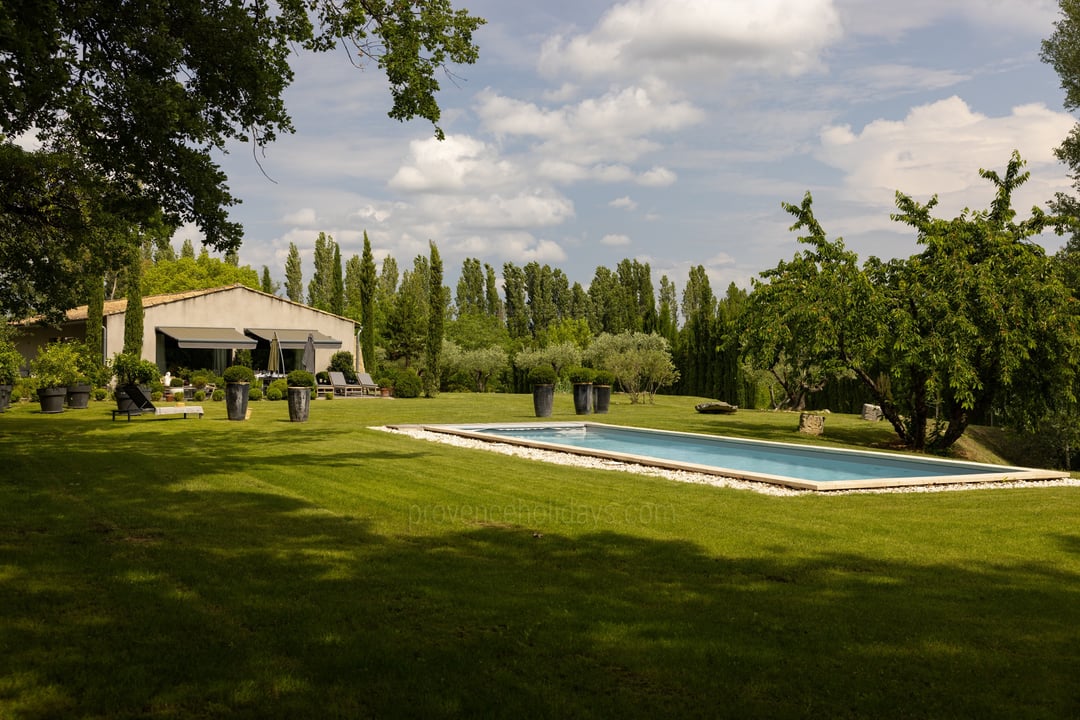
342 388
142 405
370 386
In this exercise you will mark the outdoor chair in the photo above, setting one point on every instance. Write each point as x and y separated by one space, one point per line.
342 388
370 387
144 406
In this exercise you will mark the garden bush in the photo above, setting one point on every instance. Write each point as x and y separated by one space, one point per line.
408 384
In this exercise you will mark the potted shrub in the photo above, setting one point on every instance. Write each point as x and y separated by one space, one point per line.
130 369
87 374
301 383
542 378
602 382
55 367
238 380
582 378
10 360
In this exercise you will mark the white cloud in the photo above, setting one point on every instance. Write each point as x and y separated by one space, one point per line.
892 77
940 147
624 203
656 177
615 240
605 129
690 37
541 208
452 164
866 17
304 216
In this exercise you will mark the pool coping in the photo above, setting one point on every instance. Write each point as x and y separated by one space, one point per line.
994 475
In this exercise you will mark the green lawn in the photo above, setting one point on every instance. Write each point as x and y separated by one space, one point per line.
203 568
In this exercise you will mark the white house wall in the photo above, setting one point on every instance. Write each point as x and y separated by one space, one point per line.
236 308
240 308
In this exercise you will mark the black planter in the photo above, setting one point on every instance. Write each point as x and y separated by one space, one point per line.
583 398
299 403
126 404
236 400
78 396
601 399
5 396
543 399
52 399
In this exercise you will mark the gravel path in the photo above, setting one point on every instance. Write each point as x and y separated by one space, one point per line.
560 458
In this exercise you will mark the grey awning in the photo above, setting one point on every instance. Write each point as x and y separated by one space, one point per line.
210 338
292 339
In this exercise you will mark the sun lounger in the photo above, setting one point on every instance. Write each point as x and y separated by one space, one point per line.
370 387
143 406
342 388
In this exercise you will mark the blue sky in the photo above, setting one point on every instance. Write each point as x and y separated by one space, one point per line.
665 130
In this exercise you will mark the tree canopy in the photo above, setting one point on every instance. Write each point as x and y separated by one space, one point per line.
131 101
142 93
977 317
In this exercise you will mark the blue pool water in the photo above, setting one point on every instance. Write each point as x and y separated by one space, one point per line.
745 458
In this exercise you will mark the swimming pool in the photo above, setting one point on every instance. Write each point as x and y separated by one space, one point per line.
789 464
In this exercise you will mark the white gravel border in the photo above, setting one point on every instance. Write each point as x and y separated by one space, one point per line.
585 461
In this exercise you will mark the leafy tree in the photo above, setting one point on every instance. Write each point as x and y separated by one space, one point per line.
294 277
639 310
539 289
267 283
568 330
697 340
494 303
353 295
667 321
477 330
133 315
321 287
558 356
517 311
580 305
57 223
145 93
187 249
386 298
470 297
479 365
605 296
438 299
791 323
204 272
641 362
337 285
1062 51
975 321
95 316
368 287
407 324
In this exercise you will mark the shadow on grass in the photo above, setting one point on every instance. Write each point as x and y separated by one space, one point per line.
131 585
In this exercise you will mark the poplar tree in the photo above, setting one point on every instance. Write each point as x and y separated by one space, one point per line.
133 315
368 288
437 301
294 275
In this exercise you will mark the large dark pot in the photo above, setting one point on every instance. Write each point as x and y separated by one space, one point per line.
299 403
601 399
236 400
52 399
543 400
5 396
126 404
583 398
78 396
